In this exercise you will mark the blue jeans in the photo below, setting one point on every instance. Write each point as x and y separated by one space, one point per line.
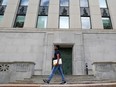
55 68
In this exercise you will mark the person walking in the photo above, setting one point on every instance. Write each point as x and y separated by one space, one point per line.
57 65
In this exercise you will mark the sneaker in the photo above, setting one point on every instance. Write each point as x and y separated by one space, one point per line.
63 82
46 81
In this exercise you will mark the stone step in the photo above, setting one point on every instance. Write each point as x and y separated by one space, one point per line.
70 80
57 78
58 85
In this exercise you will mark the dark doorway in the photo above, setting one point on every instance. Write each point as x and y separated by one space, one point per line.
66 54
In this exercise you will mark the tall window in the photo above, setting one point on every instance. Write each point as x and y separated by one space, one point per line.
105 14
20 18
85 14
3 4
64 14
43 14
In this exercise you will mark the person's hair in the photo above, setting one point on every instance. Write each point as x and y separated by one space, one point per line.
57 46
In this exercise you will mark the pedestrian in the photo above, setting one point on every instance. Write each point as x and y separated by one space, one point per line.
57 65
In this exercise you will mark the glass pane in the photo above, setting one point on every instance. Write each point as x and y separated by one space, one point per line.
43 10
24 2
64 2
22 10
64 22
44 3
2 9
42 22
85 22
20 21
1 2
102 3
105 12
5 2
84 3
64 11
85 12
1 17
107 23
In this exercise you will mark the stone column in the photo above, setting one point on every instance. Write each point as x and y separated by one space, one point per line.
95 14
48 49
32 14
78 55
10 13
53 14
74 10
112 6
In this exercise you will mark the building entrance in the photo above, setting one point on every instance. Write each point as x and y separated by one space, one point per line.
66 54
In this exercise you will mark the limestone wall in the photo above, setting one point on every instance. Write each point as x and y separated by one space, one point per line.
99 48
37 46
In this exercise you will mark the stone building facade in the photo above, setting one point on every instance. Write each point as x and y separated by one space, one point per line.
28 37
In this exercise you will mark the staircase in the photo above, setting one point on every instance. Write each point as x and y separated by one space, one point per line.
71 79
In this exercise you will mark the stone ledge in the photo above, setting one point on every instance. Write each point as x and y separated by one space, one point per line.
104 63
17 62
35 30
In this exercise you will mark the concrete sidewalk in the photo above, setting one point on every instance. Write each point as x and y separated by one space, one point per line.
58 85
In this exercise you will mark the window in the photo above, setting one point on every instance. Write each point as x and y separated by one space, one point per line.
64 22
85 14
43 14
44 3
64 14
42 22
1 17
19 23
24 2
85 22
105 14
102 3
84 3
64 2
106 23
3 4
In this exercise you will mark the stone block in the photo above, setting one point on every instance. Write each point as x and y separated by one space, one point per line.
12 71
105 70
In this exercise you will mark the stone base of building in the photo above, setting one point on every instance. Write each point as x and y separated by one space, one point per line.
12 71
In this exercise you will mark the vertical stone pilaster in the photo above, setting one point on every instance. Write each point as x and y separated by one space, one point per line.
47 61
53 14
32 13
95 14
10 13
74 10
78 56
